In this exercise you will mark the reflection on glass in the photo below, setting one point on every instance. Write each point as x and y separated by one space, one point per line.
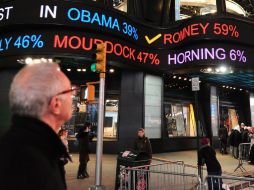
120 5
188 8
83 111
111 118
180 120
240 7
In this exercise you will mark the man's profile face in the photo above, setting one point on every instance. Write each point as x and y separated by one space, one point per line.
141 134
65 112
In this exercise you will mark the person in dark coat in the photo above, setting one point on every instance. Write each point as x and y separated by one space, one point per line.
207 155
223 136
83 138
142 143
31 150
245 135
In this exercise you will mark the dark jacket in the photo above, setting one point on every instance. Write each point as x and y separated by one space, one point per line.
207 156
235 138
83 138
223 134
30 157
245 136
143 145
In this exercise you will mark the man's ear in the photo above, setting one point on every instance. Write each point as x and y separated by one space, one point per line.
55 105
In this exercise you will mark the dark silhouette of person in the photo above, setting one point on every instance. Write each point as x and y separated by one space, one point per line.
83 138
207 156
223 135
235 139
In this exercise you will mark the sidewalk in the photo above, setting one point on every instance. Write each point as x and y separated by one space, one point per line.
109 168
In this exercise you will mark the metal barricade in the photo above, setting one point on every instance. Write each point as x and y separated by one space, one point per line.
147 179
244 152
174 167
228 183
187 168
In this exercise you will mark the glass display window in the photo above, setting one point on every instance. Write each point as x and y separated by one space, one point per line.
188 8
85 111
180 120
240 7
120 5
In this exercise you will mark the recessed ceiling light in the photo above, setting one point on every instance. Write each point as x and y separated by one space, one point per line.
223 69
111 70
79 70
68 69
209 69
28 60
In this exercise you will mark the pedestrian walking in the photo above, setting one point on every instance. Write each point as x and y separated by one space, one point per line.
40 101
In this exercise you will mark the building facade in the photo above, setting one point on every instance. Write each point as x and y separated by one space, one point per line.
154 50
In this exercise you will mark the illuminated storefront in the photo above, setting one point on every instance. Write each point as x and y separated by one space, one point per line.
153 58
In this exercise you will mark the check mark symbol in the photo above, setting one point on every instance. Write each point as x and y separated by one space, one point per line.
149 41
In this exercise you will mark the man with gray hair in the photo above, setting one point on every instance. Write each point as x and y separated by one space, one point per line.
41 101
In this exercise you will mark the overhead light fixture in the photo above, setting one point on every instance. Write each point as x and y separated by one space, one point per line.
37 61
174 77
179 78
209 69
223 69
185 79
43 60
241 89
218 70
68 69
28 60
223 86
79 70
84 70
111 70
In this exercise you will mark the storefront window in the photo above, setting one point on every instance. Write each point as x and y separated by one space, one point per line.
120 5
240 7
111 118
229 117
84 111
180 120
188 8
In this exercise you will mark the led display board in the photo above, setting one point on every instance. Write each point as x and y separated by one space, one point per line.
71 28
